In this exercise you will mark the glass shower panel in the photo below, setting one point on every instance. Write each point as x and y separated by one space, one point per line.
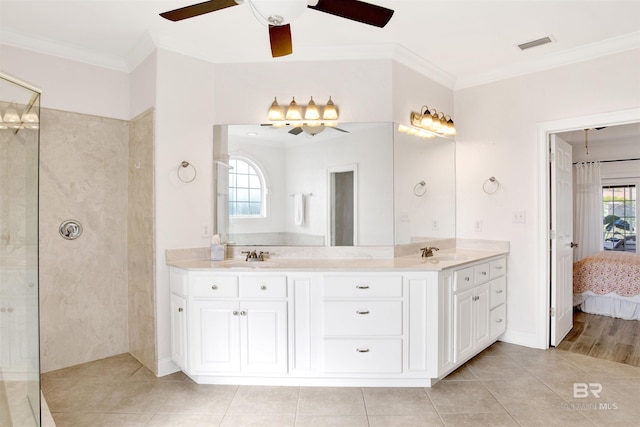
19 314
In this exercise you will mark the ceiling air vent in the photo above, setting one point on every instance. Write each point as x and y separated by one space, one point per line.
534 43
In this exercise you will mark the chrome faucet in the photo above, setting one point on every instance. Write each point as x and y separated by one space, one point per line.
428 251
254 256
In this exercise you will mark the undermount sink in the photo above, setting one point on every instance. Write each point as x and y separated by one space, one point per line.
237 263
445 257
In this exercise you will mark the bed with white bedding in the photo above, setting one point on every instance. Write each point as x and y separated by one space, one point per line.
608 283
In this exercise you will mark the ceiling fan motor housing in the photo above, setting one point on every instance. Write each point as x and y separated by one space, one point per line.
278 12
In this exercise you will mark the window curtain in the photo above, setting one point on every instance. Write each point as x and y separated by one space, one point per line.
587 210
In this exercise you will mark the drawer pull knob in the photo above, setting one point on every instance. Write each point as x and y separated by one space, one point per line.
235 312
362 312
484 273
498 267
362 350
467 278
214 287
180 310
263 287
362 286
499 321
243 313
499 291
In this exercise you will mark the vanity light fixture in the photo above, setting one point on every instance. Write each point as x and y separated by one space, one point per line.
430 122
296 115
12 119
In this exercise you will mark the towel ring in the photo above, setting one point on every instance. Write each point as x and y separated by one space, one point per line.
420 188
493 183
185 165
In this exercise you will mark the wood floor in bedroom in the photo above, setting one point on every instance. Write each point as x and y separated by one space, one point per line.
604 337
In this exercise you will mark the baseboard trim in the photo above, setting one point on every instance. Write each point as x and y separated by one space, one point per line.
167 367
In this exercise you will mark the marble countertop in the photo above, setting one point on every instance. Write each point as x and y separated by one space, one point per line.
441 260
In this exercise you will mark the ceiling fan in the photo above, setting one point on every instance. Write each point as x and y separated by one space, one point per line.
277 14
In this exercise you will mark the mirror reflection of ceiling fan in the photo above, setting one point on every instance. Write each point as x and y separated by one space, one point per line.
310 130
277 14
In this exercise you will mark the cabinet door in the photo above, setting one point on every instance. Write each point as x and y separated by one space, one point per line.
263 336
179 331
481 306
463 304
215 334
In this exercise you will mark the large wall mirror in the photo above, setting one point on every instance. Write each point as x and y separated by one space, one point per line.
359 184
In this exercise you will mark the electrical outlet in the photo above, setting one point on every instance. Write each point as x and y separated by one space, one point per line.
477 226
206 230
404 216
518 216
436 224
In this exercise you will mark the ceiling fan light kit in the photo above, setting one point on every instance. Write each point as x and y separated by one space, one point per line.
277 15
314 114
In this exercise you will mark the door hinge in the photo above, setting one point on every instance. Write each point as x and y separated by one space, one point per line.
552 311
552 234
552 157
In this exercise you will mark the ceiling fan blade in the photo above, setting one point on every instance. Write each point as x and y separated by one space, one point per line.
356 10
280 37
197 9
341 130
296 130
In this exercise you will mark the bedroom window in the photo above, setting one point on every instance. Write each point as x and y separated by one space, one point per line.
246 189
619 204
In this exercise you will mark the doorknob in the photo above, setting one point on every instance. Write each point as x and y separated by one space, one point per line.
574 245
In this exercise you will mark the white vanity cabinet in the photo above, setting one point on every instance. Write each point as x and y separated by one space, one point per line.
363 324
479 295
388 327
229 324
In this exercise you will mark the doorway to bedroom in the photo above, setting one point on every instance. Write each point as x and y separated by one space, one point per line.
612 155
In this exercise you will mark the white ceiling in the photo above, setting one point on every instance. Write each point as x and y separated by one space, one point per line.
458 43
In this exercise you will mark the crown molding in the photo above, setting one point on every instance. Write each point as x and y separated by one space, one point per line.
62 50
150 42
579 54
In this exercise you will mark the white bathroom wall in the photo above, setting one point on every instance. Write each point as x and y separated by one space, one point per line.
497 137
69 85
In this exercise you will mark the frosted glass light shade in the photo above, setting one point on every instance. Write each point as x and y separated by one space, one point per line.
330 111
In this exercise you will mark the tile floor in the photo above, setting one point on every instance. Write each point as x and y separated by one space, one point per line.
506 385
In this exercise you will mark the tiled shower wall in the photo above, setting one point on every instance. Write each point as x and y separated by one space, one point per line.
140 242
84 284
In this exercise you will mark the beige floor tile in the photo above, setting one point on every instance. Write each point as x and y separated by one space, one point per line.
551 368
259 400
479 420
191 398
184 420
552 419
496 368
100 420
258 421
524 394
144 374
425 420
459 397
304 420
70 395
135 397
397 401
463 373
331 401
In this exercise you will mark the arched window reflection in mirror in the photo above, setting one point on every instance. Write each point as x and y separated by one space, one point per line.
246 189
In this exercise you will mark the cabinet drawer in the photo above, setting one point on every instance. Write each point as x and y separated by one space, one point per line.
263 287
363 286
497 321
498 291
344 318
481 273
497 268
363 356
463 279
208 286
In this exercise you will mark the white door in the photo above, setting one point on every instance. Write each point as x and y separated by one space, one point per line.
263 342
215 336
561 240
